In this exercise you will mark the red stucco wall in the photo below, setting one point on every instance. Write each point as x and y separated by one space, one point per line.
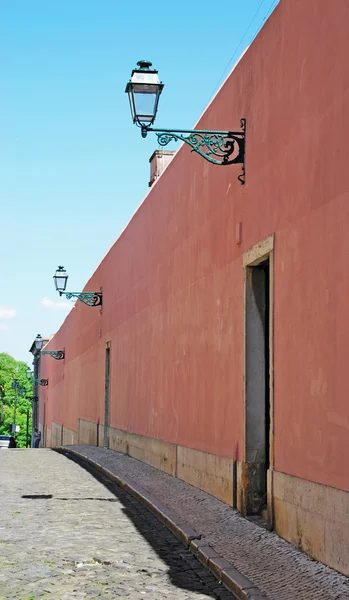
173 281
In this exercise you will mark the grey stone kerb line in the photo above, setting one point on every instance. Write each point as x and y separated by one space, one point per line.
224 571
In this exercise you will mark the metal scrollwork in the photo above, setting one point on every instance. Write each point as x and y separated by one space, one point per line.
57 354
218 147
241 177
165 138
43 382
88 298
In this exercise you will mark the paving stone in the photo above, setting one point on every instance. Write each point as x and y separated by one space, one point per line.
279 570
87 539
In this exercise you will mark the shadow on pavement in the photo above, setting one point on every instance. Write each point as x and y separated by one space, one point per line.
99 499
49 496
184 570
38 496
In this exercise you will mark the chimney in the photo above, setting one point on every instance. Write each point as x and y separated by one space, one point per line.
158 161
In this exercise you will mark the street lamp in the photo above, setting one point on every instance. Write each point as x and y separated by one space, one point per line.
60 278
89 298
33 400
144 89
16 386
2 396
36 349
218 147
39 342
30 376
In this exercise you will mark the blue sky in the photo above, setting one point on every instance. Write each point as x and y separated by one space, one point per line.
73 167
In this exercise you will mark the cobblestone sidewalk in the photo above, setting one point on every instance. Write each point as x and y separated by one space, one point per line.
278 569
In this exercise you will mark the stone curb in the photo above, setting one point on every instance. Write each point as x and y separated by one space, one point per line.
224 571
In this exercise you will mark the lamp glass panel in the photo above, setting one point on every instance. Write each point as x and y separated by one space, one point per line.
38 342
132 104
60 278
145 102
144 90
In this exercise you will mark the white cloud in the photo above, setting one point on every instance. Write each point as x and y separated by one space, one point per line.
4 327
56 305
7 313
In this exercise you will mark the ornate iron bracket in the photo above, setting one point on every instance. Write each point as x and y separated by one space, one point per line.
41 381
57 354
33 398
88 298
218 147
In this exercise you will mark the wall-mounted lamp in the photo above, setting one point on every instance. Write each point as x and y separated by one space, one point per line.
57 354
17 386
218 147
30 374
89 298
43 382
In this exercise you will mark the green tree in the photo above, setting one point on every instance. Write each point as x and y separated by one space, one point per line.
11 371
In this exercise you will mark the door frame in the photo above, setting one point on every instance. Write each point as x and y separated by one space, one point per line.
251 258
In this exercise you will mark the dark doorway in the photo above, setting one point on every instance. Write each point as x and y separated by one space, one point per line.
107 396
257 383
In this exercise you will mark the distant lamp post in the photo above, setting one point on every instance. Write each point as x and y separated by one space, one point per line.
39 342
30 375
57 354
2 412
89 298
218 147
21 391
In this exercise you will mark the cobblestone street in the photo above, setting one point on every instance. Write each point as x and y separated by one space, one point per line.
65 535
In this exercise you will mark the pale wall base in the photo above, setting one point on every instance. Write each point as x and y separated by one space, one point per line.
60 436
43 442
47 438
156 453
209 472
56 434
87 432
313 517
70 437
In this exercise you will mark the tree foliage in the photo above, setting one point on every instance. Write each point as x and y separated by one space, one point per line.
11 371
